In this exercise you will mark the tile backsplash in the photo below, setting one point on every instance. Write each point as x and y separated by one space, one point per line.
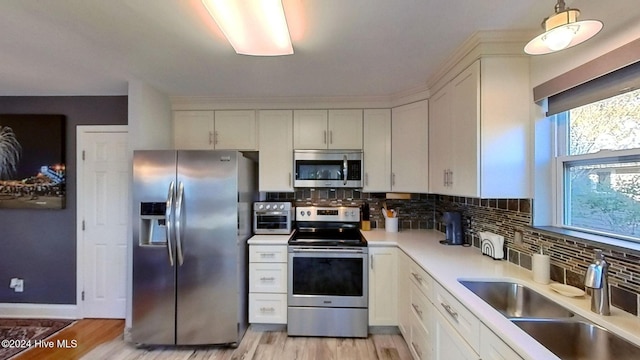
569 256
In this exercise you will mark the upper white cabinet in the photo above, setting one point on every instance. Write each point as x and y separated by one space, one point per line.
220 130
409 148
275 136
377 150
332 129
479 131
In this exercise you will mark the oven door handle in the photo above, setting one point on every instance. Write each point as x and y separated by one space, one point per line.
329 250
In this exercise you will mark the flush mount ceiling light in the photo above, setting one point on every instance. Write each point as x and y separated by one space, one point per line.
562 31
253 27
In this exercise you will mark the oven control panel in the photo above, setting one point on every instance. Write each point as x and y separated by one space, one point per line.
315 213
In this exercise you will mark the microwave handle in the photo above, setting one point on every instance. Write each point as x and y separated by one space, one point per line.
345 169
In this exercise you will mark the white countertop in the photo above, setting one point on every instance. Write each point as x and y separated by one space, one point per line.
269 239
447 264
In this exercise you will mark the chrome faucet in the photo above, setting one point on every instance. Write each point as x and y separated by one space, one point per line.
597 280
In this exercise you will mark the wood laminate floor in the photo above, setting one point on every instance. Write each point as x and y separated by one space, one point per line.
102 339
87 334
266 345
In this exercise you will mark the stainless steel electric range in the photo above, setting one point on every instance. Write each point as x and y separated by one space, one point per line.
327 274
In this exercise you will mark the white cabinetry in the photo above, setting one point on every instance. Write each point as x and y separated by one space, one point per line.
448 344
479 131
383 286
332 129
409 148
275 136
220 130
377 150
268 284
493 348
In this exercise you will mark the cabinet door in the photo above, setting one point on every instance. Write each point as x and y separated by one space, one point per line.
465 122
440 141
310 129
275 136
409 148
235 130
345 129
493 348
193 130
383 267
377 150
448 344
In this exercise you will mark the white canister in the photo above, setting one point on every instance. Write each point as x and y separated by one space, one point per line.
391 224
541 268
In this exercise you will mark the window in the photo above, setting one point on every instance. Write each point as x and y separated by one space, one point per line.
598 166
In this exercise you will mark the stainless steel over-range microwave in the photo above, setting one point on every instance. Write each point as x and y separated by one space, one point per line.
327 168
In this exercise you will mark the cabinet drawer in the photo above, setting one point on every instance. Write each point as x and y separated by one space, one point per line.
268 253
420 343
419 306
268 277
466 324
268 308
421 279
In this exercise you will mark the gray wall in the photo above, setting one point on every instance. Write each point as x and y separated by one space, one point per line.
40 245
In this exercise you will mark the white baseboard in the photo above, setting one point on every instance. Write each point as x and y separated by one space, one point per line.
38 311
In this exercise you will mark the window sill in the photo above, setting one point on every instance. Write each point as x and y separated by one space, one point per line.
592 239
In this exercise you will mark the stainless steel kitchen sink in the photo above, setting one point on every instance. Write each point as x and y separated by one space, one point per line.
569 339
517 301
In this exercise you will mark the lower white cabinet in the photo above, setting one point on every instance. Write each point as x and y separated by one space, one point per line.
268 284
448 344
383 286
493 348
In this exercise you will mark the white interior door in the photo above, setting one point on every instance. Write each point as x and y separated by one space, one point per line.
104 176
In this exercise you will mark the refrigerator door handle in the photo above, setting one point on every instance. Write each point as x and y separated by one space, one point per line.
179 223
167 215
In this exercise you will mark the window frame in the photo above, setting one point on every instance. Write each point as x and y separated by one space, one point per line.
561 160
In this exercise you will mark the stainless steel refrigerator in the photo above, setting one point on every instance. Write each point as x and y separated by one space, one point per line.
191 221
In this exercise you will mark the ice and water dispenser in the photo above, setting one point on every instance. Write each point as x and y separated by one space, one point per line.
153 223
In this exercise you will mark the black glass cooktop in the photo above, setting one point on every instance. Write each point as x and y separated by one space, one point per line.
312 236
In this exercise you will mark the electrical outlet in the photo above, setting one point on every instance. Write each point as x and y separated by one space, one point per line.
517 237
17 284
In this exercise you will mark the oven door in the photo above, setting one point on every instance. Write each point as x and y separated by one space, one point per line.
326 168
328 277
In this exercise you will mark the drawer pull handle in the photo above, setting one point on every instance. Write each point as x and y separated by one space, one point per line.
450 311
267 309
417 349
270 255
417 277
267 278
417 309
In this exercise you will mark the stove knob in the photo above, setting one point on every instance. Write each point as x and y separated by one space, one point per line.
308 213
301 213
268 206
260 206
281 206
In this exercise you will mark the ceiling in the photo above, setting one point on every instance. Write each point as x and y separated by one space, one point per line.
342 47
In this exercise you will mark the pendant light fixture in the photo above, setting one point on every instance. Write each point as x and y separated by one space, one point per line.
253 27
562 30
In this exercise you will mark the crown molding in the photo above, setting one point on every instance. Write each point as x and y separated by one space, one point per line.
481 43
277 103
